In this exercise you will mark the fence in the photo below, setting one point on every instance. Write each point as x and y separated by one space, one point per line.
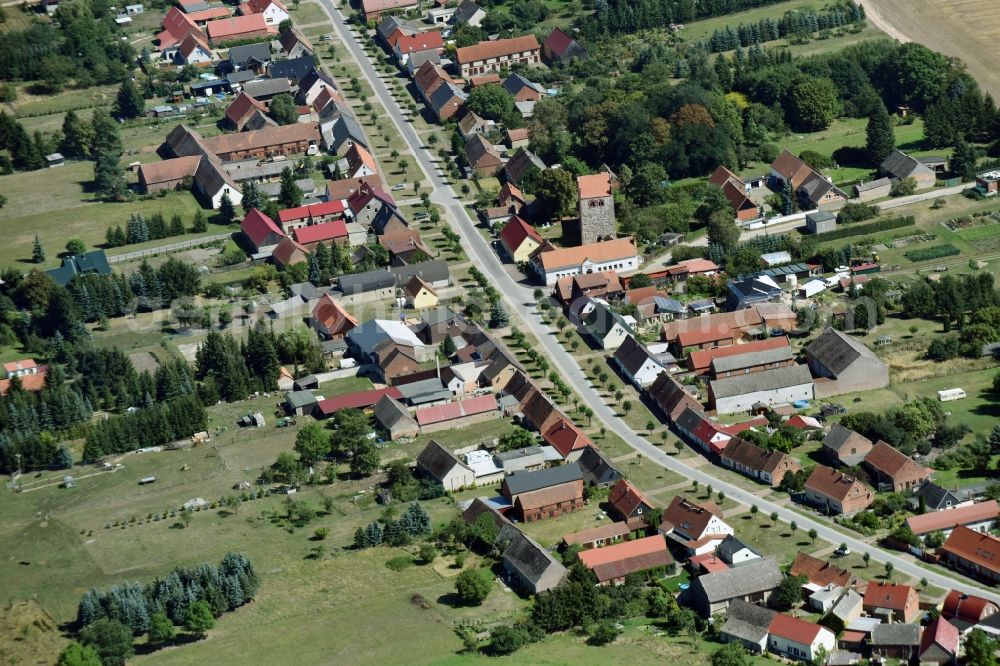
171 247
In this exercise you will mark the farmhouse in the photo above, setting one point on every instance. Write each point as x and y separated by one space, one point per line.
873 189
892 602
976 554
596 537
939 643
842 364
700 361
606 327
965 610
735 191
567 439
900 166
457 414
734 552
551 263
372 9
605 285
559 48
637 363
837 492
483 157
492 56
753 582
697 528
261 231
813 189
747 624
935 497
363 400
330 319
627 504
529 566
820 572
520 165
979 517
288 253
519 239
891 470
419 294
770 387
613 563
671 397
765 466
545 493
441 465
845 447
237 28
394 419
798 639
732 365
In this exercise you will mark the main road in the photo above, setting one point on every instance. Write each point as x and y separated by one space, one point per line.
520 298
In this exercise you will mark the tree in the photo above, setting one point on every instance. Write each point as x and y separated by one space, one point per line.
365 459
251 196
77 136
37 252
78 655
312 443
283 110
903 188
788 593
555 193
109 177
129 102
880 138
963 160
498 314
199 225
794 526
491 101
290 194
605 632
473 586
774 517
814 104
979 649
889 568
812 535
866 558
111 639
730 654
227 211
198 618
722 231
161 629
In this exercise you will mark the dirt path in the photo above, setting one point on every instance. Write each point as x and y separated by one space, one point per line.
964 29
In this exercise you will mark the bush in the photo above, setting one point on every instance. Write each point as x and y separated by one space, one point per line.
942 349
473 586
856 212
935 252
815 160
886 224
903 188
399 562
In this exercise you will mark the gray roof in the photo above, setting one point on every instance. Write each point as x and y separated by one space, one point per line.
435 270
388 25
730 546
423 391
596 468
843 608
820 216
515 83
444 94
897 633
839 436
299 399
516 454
525 482
466 11
437 461
251 170
357 283
293 68
266 87
750 359
526 555
747 622
900 165
689 419
306 290
94 261
241 76
936 497
760 575
260 52
632 354
602 320
837 351
873 184
389 412
520 163
769 380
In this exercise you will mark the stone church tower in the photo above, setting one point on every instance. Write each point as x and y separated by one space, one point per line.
597 208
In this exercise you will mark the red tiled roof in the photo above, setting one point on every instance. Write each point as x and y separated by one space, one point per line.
834 484
516 231
34 382
422 41
241 106
940 632
887 595
967 607
496 49
594 186
700 337
260 6
626 498
286 252
692 518
819 571
357 157
612 531
168 170
456 410
702 359
210 14
317 233
333 316
969 545
621 559
236 26
558 41
710 562
891 462
948 518
23 364
337 190
565 437
176 26
853 636
793 629
357 400
692 266
256 225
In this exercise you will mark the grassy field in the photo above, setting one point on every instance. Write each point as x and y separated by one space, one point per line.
701 29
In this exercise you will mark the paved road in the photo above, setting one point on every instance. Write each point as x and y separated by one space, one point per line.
520 298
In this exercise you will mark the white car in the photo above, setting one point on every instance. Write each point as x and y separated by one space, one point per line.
842 551
397 188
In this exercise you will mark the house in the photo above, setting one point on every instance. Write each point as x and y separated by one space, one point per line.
895 641
365 339
842 364
846 610
671 397
294 43
422 42
747 624
468 12
696 528
890 469
566 438
428 78
892 602
454 415
900 166
988 183
438 463
323 232
267 142
245 112
176 26
471 124
559 48
288 253
330 319
873 189
607 328
820 222
446 101
545 493
760 464
844 447
734 552
273 11
267 89
605 285
837 492
520 165
516 137
966 610
682 270
735 191
405 247
637 363
419 295
750 291
597 537
936 498
976 554
979 517
733 365
313 84
30 375
528 566
612 564
700 361
626 503
597 470
712 593
260 230
492 56
813 189
250 57
939 643
483 157
551 263
395 420
523 90
359 162
374 209
193 50
770 387
798 639
342 131
519 239
237 28
528 458
363 400
821 573
372 10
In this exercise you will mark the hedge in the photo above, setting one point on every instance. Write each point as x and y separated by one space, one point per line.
935 252
887 224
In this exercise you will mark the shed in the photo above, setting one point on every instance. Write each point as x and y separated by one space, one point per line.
820 222
299 403
55 160
948 395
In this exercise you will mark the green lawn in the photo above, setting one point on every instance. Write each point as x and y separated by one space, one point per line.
701 29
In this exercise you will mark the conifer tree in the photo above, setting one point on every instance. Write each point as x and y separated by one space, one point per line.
880 137
227 211
37 252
